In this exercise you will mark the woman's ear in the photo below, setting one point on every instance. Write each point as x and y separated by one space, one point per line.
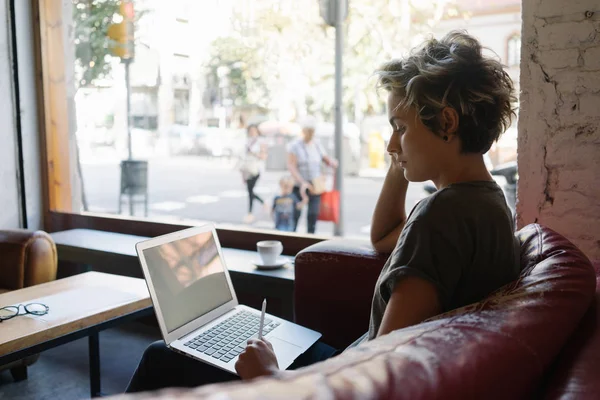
449 122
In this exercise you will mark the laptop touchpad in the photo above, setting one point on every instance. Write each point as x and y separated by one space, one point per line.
286 352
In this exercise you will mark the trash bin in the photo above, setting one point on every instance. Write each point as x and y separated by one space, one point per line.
134 184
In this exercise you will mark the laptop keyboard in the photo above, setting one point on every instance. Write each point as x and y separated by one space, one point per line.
227 339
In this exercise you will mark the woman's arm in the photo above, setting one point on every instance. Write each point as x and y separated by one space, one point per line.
264 151
389 216
330 162
413 301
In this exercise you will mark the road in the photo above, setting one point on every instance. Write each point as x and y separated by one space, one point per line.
202 189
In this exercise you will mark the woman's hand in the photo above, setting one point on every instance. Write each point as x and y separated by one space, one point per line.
331 162
258 359
307 186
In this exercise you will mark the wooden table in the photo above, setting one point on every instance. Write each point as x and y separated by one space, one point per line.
80 305
115 253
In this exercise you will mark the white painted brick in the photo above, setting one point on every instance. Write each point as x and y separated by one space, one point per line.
559 58
568 202
589 104
565 34
584 180
555 8
571 137
568 106
579 82
577 119
591 58
578 228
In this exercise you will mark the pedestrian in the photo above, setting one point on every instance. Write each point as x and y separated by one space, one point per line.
252 165
286 204
304 161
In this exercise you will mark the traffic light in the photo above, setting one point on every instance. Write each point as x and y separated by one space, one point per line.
122 34
328 9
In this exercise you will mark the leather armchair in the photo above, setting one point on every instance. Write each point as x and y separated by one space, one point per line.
504 347
27 258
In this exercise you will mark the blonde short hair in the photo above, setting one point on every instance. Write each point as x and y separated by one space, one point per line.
286 179
453 72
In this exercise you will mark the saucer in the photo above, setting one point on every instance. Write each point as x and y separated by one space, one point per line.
280 262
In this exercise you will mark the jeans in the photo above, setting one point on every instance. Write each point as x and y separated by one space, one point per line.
161 367
314 203
285 227
250 183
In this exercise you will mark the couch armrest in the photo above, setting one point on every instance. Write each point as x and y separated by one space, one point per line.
574 373
27 258
334 286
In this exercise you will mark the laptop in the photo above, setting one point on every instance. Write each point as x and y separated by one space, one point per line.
196 305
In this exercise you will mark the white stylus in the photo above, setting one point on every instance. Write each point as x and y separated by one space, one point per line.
262 319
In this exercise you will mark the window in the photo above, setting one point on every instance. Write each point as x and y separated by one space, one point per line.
202 74
513 47
182 106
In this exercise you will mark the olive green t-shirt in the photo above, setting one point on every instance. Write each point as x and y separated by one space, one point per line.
461 239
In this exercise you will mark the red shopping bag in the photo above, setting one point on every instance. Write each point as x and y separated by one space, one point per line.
330 206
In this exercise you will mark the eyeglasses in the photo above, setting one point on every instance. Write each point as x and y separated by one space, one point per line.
9 312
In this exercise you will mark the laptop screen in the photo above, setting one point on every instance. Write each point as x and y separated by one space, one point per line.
188 277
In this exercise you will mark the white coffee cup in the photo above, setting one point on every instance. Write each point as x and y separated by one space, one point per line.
269 250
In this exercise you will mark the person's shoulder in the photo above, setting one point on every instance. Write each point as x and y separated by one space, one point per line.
293 145
458 201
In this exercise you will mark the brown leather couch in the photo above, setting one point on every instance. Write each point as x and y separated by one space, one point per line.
27 258
527 340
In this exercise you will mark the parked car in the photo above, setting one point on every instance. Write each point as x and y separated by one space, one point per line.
206 141
232 142
96 136
180 139
184 139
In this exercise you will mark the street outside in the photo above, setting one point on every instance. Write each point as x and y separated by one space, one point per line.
188 94
211 189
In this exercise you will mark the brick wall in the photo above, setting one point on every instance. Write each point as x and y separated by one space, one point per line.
559 121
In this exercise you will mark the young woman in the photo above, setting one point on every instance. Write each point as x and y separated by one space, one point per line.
252 166
447 104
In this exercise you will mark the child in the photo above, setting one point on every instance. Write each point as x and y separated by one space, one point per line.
285 203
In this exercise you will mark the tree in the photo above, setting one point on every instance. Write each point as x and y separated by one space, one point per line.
91 19
234 73
296 48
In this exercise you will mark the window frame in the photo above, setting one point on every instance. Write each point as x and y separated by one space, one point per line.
53 113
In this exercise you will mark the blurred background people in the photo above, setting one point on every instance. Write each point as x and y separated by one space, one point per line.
304 161
252 165
286 204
